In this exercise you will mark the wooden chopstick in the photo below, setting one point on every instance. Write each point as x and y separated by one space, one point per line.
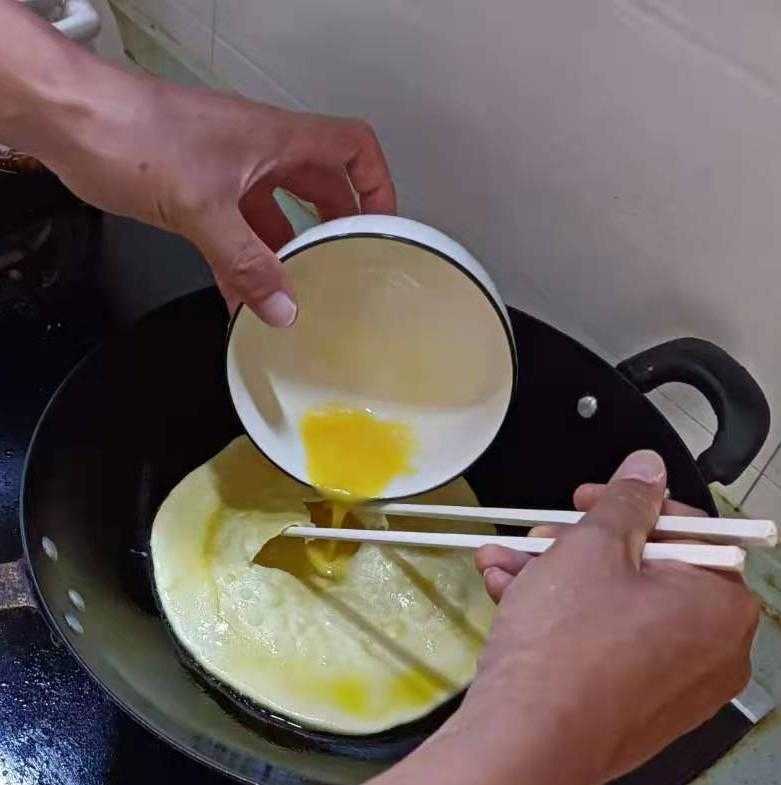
735 531
718 557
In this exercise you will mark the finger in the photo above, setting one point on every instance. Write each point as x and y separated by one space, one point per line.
232 300
629 507
496 582
265 217
672 507
245 265
547 530
369 173
586 496
506 559
328 189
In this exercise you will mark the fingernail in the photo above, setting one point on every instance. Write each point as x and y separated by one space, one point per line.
497 575
643 465
278 310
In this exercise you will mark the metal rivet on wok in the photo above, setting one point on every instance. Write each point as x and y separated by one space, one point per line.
74 623
587 406
76 599
49 548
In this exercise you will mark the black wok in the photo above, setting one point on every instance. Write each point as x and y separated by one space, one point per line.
139 413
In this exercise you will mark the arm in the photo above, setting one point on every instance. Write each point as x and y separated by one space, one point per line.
596 660
196 162
33 87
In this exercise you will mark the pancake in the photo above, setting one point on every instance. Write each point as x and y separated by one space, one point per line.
392 634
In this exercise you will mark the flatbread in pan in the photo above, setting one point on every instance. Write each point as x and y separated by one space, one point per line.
394 635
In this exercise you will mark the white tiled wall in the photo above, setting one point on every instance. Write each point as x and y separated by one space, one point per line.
239 72
188 22
616 165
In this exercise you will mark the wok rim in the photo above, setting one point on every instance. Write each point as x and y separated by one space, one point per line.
274 774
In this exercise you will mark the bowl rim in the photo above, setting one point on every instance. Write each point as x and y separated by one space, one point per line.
497 305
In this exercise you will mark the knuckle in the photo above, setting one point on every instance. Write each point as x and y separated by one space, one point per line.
632 503
246 264
362 126
736 676
677 572
487 556
737 601
727 606
547 531
597 545
599 534
743 674
195 214
623 510
363 131
750 608
193 202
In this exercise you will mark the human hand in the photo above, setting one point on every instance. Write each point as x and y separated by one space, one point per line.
205 165
196 162
499 566
614 657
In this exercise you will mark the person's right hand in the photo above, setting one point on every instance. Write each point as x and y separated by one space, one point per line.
615 657
205 165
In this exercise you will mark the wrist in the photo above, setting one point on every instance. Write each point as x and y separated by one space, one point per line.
34 90
489 747
70 115
52 104
496 738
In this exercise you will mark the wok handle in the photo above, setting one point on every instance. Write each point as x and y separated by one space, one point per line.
15 588
740 405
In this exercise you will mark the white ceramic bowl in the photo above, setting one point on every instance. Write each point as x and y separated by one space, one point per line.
394 317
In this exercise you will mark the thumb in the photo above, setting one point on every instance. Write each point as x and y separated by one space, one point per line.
244 265
631 502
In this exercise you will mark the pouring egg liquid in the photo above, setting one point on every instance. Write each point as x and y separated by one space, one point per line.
352 455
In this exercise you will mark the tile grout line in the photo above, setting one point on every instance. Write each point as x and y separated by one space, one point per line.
213 35
674 401
760 475
302 105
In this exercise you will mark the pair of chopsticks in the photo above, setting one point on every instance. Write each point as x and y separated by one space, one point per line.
721 548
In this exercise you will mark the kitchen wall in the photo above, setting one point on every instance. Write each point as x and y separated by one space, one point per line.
616 164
